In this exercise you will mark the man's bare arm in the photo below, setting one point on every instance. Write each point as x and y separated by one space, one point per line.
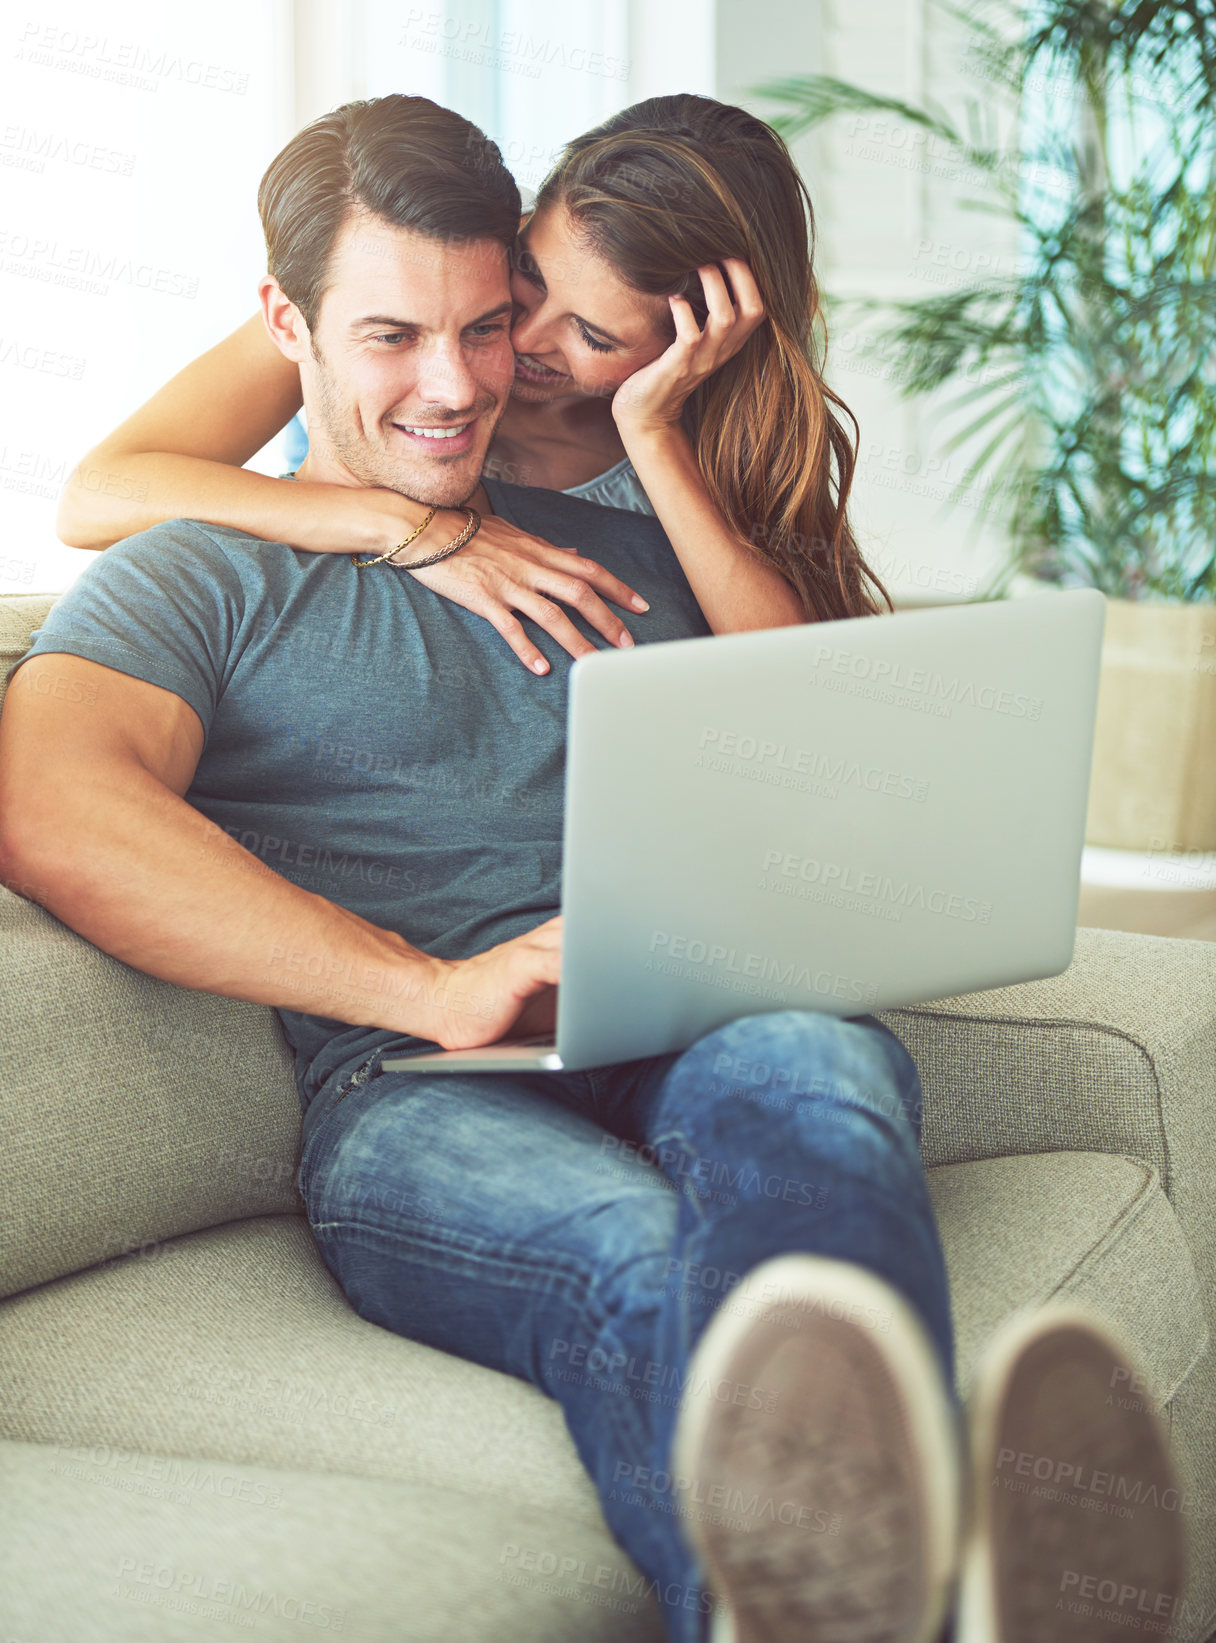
93 766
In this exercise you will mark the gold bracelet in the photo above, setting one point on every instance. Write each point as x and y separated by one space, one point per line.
471 528
410 538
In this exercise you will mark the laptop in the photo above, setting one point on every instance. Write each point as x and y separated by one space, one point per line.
839 816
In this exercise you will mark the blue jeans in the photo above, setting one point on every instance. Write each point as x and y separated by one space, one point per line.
579 1229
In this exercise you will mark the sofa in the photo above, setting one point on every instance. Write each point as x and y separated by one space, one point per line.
197 1429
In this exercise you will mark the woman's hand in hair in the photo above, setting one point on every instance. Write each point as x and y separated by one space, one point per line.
652 399
505 573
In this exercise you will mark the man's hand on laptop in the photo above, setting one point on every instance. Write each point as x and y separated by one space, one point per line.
509 990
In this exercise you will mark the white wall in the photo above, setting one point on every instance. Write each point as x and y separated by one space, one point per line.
131 143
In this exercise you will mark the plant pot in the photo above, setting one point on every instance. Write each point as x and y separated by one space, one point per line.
1154 773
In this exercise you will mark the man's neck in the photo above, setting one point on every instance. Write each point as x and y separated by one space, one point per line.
314 472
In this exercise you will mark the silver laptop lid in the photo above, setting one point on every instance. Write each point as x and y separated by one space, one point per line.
841 816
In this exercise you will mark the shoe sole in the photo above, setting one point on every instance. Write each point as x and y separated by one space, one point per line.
836 1453
1077 1532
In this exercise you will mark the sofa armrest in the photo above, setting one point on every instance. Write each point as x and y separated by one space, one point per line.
131 1110
1116 1055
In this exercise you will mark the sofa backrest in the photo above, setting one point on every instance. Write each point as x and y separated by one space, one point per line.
131 1110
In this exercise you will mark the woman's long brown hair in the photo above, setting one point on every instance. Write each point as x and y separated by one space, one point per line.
665 187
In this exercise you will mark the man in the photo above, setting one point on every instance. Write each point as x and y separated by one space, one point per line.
320 787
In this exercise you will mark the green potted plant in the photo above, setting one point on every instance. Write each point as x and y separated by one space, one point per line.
1087 377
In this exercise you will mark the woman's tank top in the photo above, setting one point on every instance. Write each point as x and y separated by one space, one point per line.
619 487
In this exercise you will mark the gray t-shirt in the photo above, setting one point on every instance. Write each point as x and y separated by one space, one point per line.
365 737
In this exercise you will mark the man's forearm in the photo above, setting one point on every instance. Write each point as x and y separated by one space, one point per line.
143 875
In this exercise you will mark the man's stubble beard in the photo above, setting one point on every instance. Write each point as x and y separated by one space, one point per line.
413 477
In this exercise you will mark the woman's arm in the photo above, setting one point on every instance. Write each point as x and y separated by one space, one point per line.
179 457
736 590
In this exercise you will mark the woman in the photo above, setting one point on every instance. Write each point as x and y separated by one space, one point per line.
643 380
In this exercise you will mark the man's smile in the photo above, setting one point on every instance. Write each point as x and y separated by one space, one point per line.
448 438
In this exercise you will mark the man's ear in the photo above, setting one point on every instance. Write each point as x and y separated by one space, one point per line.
284 321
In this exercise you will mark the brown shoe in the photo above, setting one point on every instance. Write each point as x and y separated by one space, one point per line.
816 1419
1077 1533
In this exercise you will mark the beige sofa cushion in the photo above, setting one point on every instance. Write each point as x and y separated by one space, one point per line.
139 1548
1077 1226
237 1343
20 615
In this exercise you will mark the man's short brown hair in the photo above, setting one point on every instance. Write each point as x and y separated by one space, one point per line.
402 159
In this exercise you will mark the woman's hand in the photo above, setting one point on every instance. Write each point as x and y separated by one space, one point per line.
652 399
504 570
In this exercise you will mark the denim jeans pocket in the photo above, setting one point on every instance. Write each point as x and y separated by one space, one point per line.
357 1080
